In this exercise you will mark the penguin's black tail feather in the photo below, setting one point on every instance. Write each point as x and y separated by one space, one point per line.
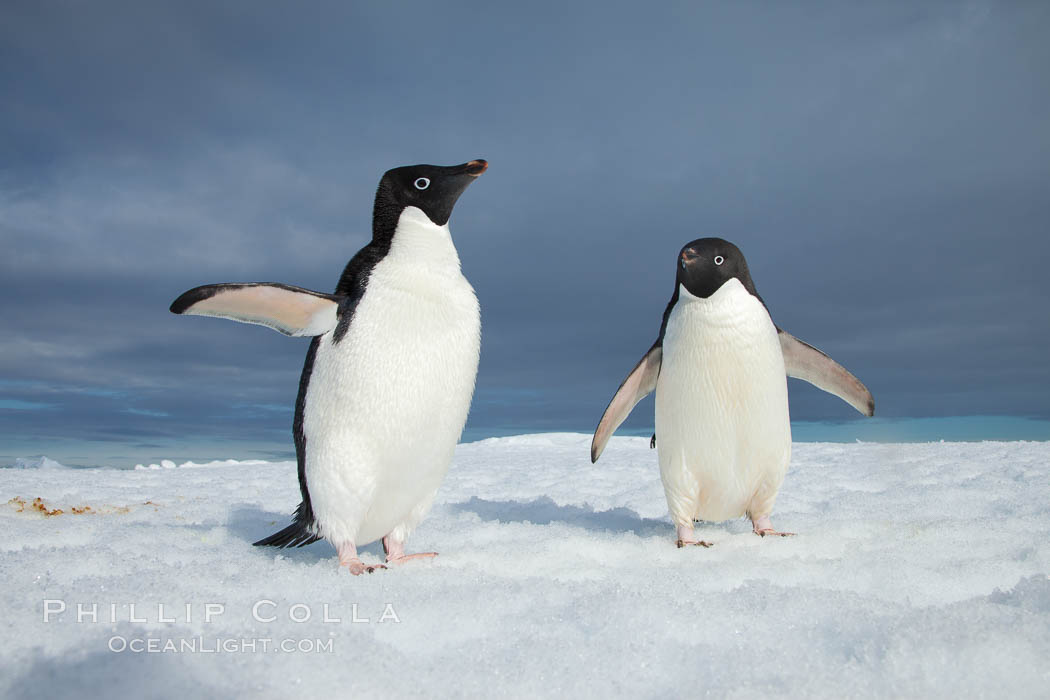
295 535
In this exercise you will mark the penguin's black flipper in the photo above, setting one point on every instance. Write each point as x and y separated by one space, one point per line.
803 361
639 384
290 310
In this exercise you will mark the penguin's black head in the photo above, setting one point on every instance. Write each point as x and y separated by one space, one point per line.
705 264
433 189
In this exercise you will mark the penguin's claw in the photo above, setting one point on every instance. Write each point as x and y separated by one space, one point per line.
693 543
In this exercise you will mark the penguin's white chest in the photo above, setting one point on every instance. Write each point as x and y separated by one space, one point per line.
722 425
386 403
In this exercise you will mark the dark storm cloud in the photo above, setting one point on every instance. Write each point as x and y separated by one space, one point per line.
885 170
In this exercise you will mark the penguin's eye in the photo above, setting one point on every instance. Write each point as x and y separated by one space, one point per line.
422 183
719 260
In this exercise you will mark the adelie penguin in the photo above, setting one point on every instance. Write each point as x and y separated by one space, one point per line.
389 376
719 368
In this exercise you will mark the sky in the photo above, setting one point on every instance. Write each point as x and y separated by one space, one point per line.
885 168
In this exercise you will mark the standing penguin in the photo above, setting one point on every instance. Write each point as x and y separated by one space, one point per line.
718 368
388 378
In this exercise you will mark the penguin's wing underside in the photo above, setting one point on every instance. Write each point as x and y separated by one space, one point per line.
290 310
803 361
639 384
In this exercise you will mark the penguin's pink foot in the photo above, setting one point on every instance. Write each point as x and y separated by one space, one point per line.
763 527
405 557
348 558
395 552
686 538
773 533
358 567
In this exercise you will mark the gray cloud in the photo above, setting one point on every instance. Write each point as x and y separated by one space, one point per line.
885 169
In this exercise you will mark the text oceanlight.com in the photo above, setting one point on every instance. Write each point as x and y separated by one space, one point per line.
202 645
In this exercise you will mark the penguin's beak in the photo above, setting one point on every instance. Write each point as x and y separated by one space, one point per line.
475 167
688 256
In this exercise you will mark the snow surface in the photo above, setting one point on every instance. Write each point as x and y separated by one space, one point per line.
918 571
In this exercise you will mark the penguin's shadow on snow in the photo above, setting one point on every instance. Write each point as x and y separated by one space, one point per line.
544 511
252 524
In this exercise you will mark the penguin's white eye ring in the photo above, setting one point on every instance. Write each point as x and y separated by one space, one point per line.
422 183
719 260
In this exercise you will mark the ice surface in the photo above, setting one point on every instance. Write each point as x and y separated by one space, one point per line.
919 570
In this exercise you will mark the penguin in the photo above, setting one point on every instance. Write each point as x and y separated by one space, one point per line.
719 368
390 372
